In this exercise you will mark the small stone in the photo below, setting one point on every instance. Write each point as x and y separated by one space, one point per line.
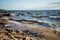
24 38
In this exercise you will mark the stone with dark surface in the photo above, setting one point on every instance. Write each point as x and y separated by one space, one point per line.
12 34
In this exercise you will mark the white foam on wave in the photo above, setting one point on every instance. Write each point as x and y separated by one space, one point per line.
57 29
14 22
19 25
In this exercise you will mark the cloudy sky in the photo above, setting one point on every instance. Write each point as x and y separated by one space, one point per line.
30 4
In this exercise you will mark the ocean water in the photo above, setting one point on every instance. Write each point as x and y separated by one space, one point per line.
45 20
27 14
41 16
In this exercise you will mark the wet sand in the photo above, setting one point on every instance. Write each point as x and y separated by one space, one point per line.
48 33
45 32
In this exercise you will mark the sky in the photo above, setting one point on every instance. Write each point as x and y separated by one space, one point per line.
30 4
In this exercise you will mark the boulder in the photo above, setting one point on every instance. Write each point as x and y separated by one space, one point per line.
13 34
3 22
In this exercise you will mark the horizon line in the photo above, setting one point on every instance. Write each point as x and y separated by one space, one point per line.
30 9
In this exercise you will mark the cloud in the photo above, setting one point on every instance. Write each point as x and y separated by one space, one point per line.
56 3
53 6
49 6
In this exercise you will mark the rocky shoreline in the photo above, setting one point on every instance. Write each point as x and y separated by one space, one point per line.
30 32
12 34
11 29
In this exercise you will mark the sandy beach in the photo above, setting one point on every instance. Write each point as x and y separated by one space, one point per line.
47 32
23 26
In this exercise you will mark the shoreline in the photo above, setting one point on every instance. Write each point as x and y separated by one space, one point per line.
48 33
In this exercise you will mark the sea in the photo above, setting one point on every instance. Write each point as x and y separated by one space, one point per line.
28 14
47 18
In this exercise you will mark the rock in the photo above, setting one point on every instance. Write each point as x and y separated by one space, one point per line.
40 35
22 14
12 34
24 39
5 14
16 36
56 32
3 22
28 12
34 34
9 31
26 31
